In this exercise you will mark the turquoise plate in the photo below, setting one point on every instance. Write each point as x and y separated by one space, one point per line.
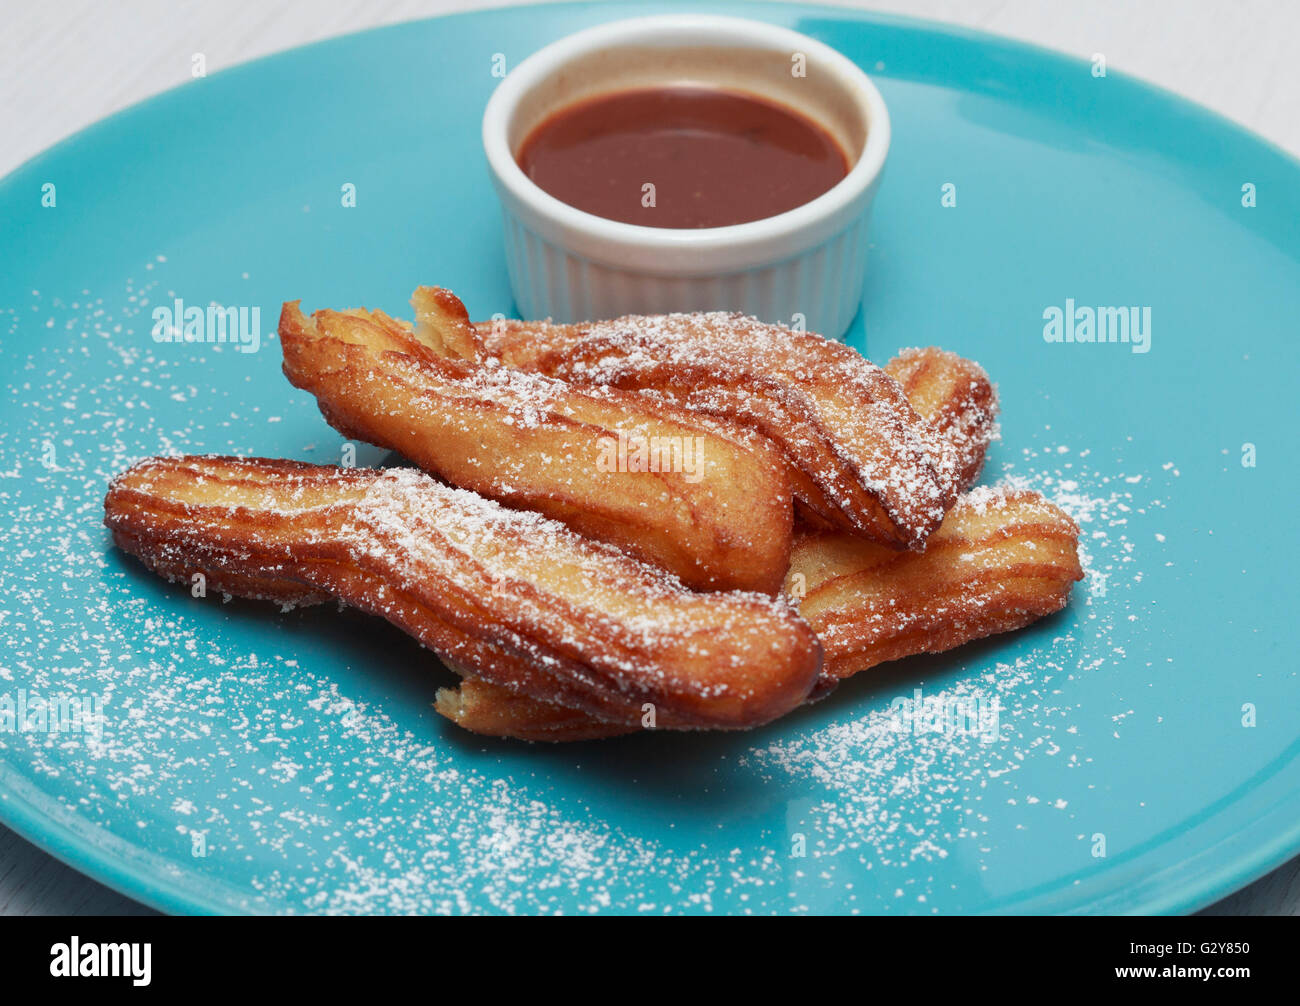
1144 755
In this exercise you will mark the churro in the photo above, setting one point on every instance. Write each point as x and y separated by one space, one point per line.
958 401
493 711
511 597
1001 560
572 612
870 465
703 498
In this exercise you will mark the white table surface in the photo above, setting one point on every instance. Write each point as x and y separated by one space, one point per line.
67 63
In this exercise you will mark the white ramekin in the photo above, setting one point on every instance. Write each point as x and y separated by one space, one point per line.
806 265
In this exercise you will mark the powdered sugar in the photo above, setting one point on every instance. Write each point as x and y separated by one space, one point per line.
839 418
302 749
900 798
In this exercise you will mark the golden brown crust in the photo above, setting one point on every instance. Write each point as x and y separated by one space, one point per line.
959 402
957 399
517 599
442 324
999 561
703 498
870 465
488 709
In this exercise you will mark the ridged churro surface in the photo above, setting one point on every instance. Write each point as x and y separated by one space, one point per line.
560 635
855 584
703 498
514 598
1001 560
869 464
957 400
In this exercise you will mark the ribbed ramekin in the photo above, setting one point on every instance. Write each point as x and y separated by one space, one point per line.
803 267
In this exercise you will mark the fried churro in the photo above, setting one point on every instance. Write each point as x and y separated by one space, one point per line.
571 612
869 464
850 587
515 599
958 401
699 496
493 711
1001 560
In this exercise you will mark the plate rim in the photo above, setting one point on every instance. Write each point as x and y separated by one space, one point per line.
929 25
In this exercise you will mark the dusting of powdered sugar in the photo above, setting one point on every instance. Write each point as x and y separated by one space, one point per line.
894 798
304 794
290 762
426 532
846 421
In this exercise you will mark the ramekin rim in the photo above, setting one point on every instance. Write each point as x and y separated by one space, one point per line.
614 234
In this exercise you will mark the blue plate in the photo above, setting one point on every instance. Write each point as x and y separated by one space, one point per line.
1144 756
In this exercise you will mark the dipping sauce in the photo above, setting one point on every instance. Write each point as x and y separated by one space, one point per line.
713 157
